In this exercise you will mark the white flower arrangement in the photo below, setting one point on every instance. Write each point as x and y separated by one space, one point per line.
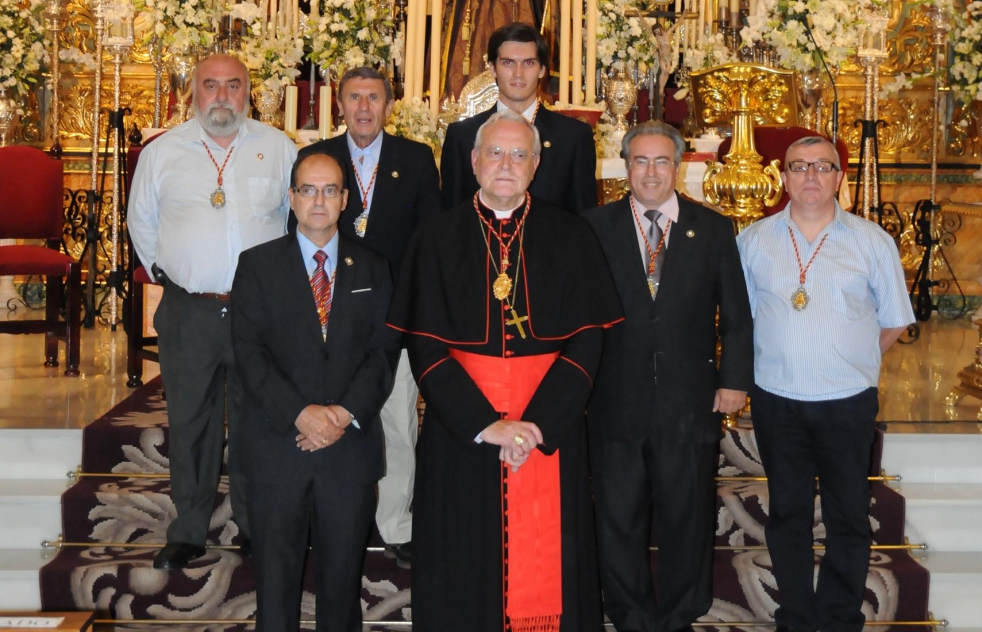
838 27
351 33
180 24
966 65
624 37
76 56
710 51
414 120
271 55
23 55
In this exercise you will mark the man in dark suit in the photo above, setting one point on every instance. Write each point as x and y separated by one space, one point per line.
654 415
566 177
316 362
397 186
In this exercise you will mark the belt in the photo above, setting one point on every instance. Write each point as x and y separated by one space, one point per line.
223 298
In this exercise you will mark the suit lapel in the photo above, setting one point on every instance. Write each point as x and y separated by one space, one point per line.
683 239
299 286
385 182
626 261
341 294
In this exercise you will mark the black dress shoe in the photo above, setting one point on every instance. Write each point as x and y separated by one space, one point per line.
402 553
176 556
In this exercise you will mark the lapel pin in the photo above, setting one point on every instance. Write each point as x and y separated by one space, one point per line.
395 174
349 261
260 156
690 233
547 144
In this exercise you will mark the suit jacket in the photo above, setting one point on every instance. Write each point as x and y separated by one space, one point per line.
285 364
567 173
701 272
407 191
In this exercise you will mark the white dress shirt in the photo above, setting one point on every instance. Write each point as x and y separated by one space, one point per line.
172 221
364 162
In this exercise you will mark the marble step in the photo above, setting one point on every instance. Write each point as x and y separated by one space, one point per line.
956 585
933 458
945 516
19 572
39 453
30 511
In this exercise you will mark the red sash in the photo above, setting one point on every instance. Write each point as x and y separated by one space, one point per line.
532 526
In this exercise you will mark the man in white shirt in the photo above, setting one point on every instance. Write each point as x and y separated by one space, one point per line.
202 193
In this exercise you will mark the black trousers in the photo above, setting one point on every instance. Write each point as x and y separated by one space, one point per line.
198 370
335 511
673 482
798 441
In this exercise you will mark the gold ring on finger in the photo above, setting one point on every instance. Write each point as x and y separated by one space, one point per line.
519 440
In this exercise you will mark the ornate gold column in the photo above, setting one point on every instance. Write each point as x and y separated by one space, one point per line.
741 186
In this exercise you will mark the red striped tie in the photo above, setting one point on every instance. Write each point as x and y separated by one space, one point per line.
321 285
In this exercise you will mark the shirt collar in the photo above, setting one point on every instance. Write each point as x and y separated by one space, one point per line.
842 218
194 133
669 208
528 113
374 149
307 249
499 214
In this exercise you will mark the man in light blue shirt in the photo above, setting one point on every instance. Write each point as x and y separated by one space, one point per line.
828 297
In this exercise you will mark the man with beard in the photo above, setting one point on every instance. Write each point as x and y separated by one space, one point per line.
202 193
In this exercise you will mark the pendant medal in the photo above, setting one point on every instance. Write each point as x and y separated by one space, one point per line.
799 300
501 287
361 224
218 198
652 287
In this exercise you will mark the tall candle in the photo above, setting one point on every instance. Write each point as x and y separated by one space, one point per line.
420 48
591 51
324 118
273 13
409 58
290 119
436 27
577 44
315 9
296 18
564 44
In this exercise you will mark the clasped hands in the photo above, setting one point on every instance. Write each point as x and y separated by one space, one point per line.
321 426
516 438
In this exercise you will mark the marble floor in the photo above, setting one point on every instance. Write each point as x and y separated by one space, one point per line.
914 382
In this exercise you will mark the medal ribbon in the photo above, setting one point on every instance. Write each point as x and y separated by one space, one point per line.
365 190
803 270
215 162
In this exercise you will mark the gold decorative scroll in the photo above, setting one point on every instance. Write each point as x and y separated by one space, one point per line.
769 94
76 125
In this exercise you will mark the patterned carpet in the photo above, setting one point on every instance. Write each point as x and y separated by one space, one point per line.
218 589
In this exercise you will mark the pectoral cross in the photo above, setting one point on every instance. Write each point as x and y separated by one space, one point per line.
516 321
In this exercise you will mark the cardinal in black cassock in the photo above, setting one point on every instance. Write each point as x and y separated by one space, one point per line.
503 301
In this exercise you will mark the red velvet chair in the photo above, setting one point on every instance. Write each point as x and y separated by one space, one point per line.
31 194
773 142
139 347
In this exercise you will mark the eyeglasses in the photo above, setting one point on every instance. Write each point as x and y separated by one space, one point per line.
641 163
820 166
309 191
518 156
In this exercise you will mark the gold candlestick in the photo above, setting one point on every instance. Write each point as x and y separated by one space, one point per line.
53 13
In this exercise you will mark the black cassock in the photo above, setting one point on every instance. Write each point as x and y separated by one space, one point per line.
444 301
